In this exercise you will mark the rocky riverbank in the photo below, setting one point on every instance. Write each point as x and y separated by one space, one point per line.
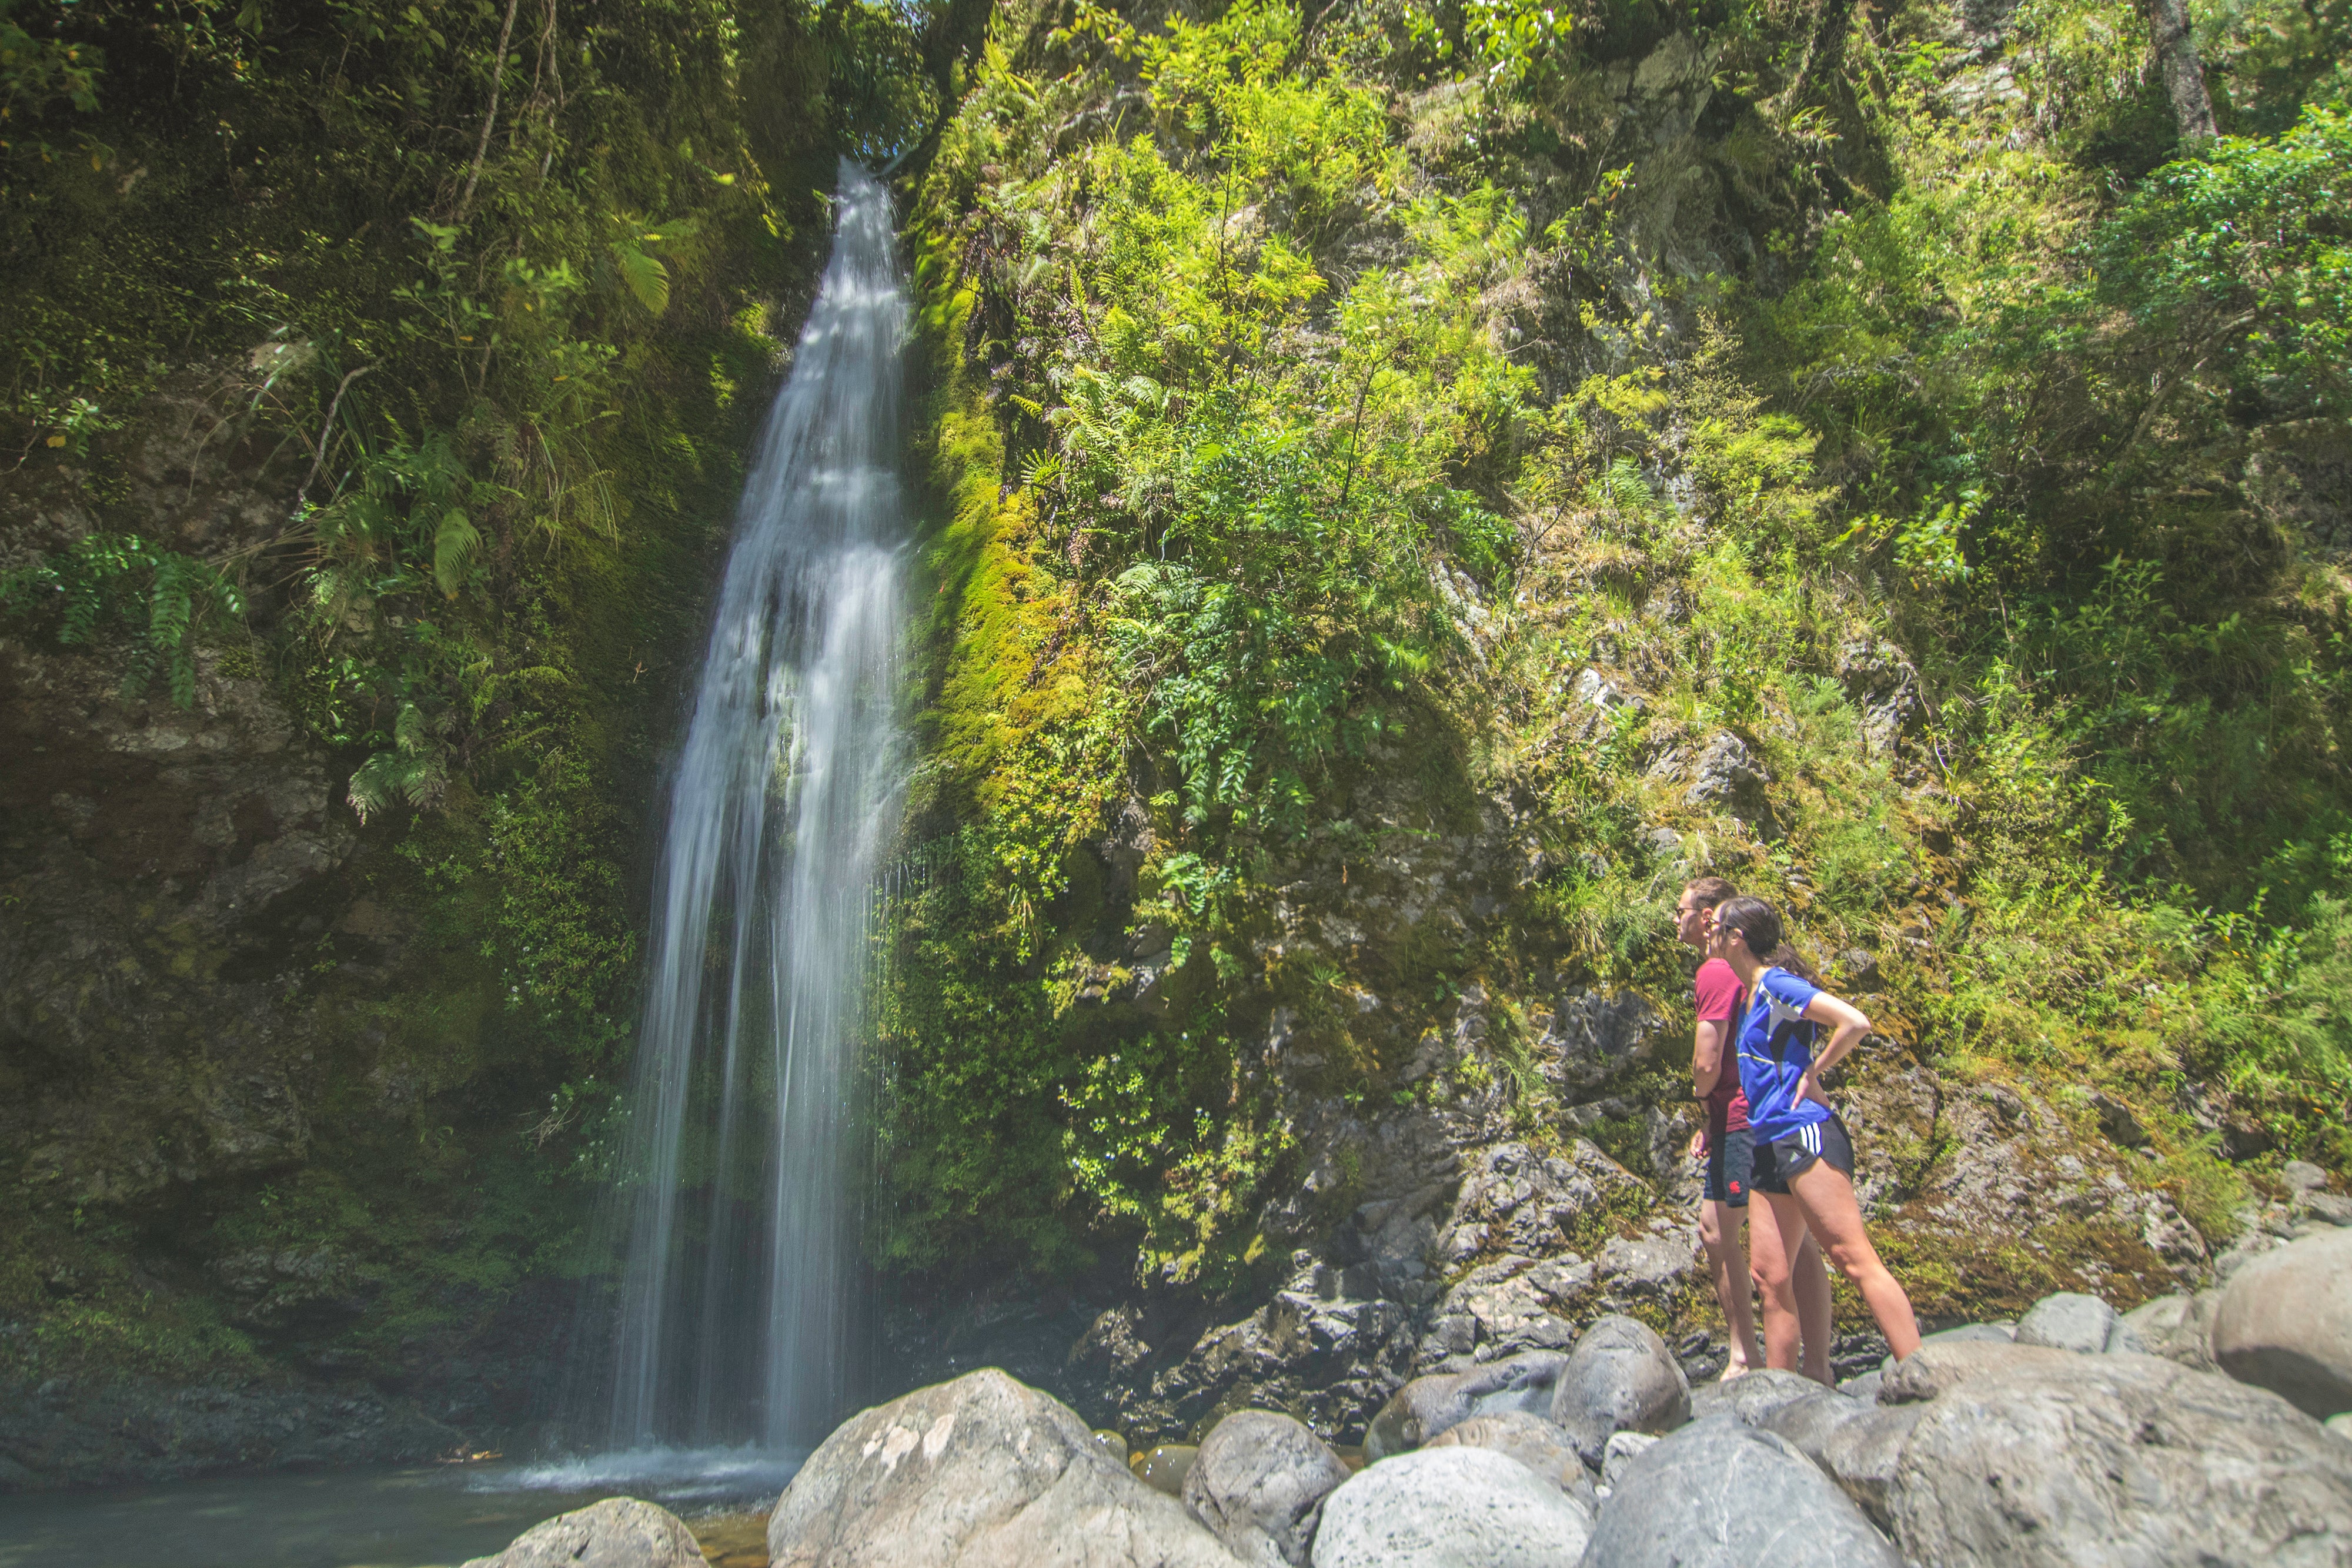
2074 1435
1472 1245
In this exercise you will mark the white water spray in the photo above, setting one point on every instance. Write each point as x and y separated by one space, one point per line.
738 1297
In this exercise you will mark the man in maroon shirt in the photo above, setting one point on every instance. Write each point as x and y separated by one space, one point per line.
1730 1154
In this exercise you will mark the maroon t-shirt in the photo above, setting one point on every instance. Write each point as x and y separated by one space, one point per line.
1718 1003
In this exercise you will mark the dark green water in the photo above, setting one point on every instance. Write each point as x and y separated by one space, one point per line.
433 1518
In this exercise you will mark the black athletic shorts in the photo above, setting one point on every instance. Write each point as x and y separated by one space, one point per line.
1778 1160
1730 1156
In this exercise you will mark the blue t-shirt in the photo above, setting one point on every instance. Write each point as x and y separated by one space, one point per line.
1776 1046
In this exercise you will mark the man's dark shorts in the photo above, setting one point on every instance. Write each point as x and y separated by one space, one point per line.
1777 1161
1729 1156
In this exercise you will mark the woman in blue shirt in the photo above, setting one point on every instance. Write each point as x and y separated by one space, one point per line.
1804 1161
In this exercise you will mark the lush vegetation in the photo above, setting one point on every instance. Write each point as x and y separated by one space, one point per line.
1321 390
1348 426
448 328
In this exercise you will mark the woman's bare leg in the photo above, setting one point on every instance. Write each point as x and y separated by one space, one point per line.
1772 1219
1812 1281
1827 1199
1718 1231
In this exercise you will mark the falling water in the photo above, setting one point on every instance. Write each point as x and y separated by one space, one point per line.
738 1296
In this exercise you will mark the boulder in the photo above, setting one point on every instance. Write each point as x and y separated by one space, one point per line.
1532 1440
1454 1507
1865 1387
1623 1448
2324 1208
1969 1334
1753 1396
2050 1457
1620 1378
1648 1268
1856 1445
1258 1482
1716 1494
1327 1347
1113 1444
1820 1403
1163 1470
618 1533
2177 1328
2072 1321
1428 1405
1966 1334
1502 1309
1935 1370
2285 1322
984 1473
1729 778
2300 1176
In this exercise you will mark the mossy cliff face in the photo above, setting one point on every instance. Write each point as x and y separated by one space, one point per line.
1411 488
144 841
374 473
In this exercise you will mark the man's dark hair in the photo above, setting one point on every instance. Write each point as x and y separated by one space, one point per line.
1711 891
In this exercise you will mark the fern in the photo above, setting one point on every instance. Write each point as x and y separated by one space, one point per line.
646 277
415 770
454 544
1623 487
156 597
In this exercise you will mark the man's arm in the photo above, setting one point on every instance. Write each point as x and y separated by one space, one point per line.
1707 1056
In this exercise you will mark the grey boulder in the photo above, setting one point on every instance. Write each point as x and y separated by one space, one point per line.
618 1533
1428 1405
2044 1457
1623 1448
1972 1334
984 1473
1620 1378
2072 1321
1967 1333
1934 1370
2177 1328
2285 1322
1752 1396
1730 778
1454 1507
1532 1440
1856 1444
1259 1482
1716 1494
1865 1387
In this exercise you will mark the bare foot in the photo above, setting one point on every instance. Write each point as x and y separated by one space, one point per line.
1736 1369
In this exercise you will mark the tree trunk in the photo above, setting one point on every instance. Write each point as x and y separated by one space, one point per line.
2184 74
497 79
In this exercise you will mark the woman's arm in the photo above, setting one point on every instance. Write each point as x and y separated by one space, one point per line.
1848 1028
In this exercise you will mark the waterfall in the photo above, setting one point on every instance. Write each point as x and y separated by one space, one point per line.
738 1297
